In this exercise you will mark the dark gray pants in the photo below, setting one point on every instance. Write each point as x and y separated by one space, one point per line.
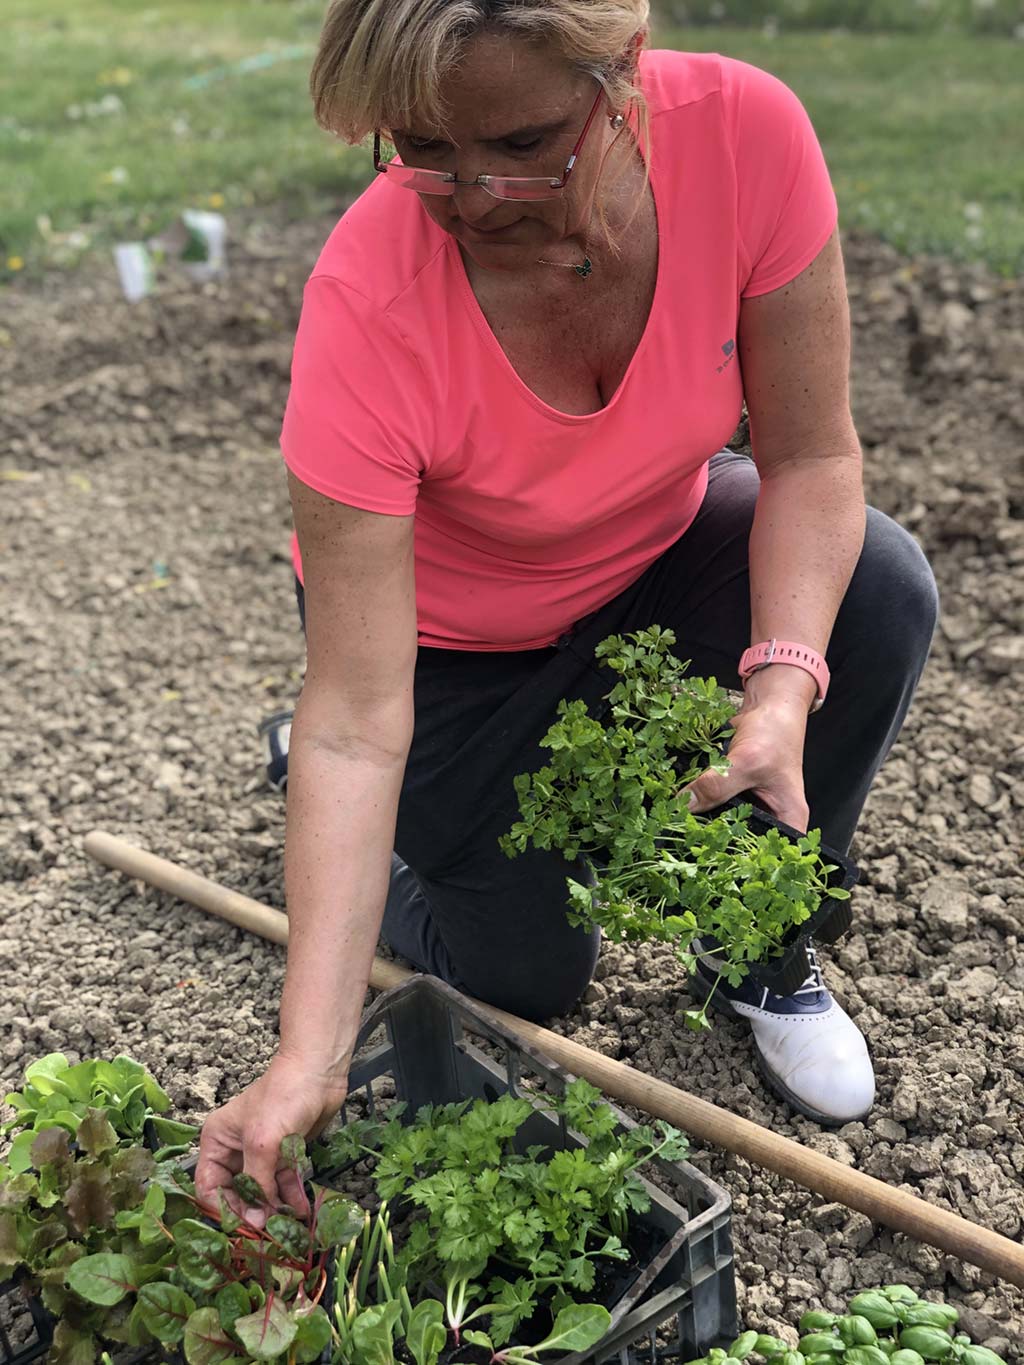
496 927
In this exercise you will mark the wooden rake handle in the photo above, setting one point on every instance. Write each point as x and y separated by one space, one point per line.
881 1203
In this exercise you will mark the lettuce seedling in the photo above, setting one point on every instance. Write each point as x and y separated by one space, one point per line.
231 1290
87 1211
613 795
425 1335
58 1095
121 1250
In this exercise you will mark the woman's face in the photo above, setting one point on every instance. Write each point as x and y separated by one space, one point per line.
517 109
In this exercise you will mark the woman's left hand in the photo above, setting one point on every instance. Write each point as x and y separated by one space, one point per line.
766 752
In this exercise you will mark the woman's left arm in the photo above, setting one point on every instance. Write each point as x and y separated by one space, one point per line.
808 527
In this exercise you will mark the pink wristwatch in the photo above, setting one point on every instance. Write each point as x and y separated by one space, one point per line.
785 652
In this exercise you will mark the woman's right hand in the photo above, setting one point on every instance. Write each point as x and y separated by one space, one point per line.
292 1096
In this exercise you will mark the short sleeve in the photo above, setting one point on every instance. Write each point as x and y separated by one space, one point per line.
786 205
357 426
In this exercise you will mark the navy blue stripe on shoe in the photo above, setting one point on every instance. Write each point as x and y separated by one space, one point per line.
812 997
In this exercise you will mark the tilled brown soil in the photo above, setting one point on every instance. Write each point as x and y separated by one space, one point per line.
149 624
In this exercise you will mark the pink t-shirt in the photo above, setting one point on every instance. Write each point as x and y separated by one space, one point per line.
528 518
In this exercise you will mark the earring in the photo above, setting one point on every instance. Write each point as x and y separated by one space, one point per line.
616 121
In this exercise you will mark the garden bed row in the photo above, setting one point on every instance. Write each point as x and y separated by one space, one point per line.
501 1219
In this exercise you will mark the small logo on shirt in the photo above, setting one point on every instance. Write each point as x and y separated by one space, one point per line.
729 347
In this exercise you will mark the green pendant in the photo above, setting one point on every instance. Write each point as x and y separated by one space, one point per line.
584 270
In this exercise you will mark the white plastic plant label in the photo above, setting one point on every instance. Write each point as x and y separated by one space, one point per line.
135 270
196 240
211 230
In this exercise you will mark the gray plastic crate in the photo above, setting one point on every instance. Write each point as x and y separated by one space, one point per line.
688 1290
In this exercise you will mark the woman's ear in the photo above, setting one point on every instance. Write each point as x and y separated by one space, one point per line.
630 59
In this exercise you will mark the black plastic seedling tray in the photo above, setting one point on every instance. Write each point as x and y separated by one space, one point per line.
26 1329
788 971
155 1355
687 1289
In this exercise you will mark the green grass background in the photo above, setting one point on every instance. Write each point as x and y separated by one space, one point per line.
922 130
1001 17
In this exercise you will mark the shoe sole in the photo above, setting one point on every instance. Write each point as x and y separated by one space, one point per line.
775 1083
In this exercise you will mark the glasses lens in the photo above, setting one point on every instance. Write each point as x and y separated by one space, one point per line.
521 187
501 187
422 182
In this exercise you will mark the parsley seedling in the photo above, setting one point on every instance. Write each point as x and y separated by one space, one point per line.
548 1217
613 796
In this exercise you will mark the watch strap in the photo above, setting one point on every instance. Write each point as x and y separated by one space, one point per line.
786 652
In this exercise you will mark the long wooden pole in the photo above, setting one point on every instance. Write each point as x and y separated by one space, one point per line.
880 1202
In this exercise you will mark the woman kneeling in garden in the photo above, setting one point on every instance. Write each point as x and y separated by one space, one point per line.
520 355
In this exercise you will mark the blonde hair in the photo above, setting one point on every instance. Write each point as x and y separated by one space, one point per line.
380 61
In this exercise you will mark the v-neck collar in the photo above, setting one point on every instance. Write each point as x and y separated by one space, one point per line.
492 343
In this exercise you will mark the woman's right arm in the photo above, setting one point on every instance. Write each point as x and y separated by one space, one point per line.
349 743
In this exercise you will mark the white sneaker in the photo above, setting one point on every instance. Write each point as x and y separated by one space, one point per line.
811 1052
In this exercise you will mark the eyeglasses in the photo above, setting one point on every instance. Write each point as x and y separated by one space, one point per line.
500 186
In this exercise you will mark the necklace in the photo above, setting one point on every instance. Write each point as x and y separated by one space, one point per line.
583 270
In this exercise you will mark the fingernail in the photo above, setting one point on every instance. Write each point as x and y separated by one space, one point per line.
692 800
256 1217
